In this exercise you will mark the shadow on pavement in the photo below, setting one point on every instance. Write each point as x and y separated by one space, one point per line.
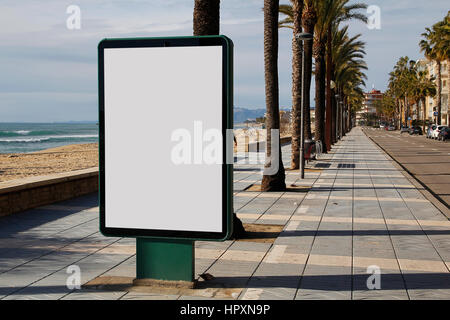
29 219
394 281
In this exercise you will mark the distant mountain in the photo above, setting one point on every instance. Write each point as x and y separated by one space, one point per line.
243 114
81 121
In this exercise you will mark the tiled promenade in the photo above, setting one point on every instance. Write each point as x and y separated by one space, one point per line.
352 218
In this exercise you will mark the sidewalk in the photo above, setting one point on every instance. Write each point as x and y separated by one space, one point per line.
360 212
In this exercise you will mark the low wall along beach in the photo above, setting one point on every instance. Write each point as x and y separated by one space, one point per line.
23 194
29 180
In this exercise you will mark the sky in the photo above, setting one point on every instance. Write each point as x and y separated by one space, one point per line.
48 72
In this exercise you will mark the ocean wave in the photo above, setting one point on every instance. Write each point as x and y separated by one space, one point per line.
15 133
48 138
23 140
22 132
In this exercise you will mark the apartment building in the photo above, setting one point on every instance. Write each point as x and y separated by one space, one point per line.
431 102
368 107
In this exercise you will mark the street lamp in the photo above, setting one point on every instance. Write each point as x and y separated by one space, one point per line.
303 37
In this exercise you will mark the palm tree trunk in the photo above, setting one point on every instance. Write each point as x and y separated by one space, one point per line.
206 17
275 182
335 109
309 19
423 116
207 22
307 51
417 110
338 118
408 112
328 111
320 94
348 117
296 84
333 120
342 119
439 91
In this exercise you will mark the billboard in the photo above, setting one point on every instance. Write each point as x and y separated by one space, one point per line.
164 107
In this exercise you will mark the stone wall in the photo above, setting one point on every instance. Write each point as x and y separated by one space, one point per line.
23 194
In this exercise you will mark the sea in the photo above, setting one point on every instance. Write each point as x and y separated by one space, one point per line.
30 137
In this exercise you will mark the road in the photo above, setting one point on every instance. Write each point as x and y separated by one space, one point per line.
426 160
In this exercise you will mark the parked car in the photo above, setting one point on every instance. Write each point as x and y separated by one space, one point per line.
390 128
444 134
435 133
415 130
430 130
404 129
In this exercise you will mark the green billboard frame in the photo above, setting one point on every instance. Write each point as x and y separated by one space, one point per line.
169 255
227 123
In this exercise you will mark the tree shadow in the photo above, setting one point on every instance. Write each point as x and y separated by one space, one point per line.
349 233
22 221
331 282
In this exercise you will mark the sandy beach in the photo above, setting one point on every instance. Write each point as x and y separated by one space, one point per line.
78 156
55 160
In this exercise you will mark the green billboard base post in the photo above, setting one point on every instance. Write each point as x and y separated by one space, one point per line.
164 263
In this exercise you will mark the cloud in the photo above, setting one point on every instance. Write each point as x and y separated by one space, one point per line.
50 71
47 106
240 21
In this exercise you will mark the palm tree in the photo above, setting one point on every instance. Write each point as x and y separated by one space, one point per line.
400 79
354 100
206 17
309 19
435 47
396 86
347 70
319 72
293 21
341 14
409 83
427 89
422 87
207 22
329 13
273 181
387 106
350 80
